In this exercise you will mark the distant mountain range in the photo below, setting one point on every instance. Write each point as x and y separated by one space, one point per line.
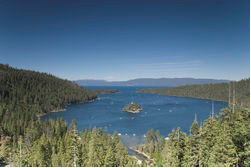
160 82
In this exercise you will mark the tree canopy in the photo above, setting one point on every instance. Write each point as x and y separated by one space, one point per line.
232 92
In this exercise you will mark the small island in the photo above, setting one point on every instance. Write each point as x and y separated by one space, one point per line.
132 108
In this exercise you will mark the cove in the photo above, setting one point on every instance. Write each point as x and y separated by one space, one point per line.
159 112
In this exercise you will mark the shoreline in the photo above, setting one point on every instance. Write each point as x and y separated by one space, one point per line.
142 154
148 158
106 91
184 97
58 110
103 91
130 111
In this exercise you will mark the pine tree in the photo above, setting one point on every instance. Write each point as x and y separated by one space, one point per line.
240 132
110 160
41 153
157 156
61 152
55 159
72 149
93 158
208 134
175 149
224 151
5 150
194 130
121 154
84 149
191 154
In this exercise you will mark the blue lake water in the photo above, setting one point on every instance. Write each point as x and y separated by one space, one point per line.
162 113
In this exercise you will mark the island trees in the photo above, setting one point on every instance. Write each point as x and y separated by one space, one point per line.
132 108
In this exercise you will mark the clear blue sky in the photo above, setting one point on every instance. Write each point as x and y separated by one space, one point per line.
127 39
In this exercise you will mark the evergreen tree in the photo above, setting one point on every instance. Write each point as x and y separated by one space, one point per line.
110 160
41 153
55 159
194 130
191 154
121 155
72 148
208 133
93 158
5 150
175 149
223 153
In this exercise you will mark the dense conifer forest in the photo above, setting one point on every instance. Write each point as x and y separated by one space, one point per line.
219 92
24 95
26 141
222 140
51 143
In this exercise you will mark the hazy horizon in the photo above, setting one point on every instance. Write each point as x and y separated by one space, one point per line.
125 79
150 78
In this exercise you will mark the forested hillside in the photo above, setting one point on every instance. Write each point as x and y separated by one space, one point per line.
26 141
220 141
27 94
237 92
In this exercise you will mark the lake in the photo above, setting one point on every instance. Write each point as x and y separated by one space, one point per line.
162 113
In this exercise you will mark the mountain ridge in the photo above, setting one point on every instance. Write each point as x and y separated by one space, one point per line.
167 82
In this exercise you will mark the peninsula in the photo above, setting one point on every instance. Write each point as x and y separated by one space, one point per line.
106 91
